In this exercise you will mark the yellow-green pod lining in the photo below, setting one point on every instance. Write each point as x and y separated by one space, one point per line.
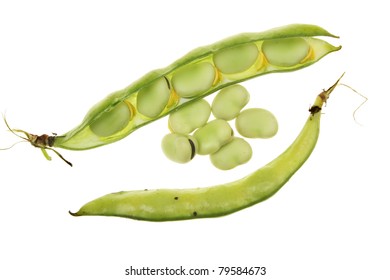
152 99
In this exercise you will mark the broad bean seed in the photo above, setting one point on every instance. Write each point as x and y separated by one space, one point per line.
190 117
153 99
232 154
213 136
228 103
278 52
256 123
113 121
236 59
179 148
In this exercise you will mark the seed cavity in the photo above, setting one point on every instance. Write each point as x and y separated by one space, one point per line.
235 153
236 59
286 52
193 80
114 120
310 56
228 103
179 148
152 99
256 123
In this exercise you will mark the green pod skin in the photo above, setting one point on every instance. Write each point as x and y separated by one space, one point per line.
181 204
87 135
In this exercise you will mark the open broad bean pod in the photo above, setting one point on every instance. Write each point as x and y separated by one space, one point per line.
194 76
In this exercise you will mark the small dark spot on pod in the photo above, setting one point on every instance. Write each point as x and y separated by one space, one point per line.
195 213
176 198
314 110
145 190
50 140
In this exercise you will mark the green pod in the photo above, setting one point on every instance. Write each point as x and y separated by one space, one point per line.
219 200
113 121
214 67
236 59
194 79
278 52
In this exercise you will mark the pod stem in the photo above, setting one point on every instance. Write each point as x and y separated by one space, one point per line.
323 97
44 141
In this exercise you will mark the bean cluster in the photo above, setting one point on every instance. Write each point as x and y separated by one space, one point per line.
204 129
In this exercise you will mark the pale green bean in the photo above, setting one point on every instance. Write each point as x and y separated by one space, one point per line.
228 103
213 136
256 123
179 148
232 154
190 117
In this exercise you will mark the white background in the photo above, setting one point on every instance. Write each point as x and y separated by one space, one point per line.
58 58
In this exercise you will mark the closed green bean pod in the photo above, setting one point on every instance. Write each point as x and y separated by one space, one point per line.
196 75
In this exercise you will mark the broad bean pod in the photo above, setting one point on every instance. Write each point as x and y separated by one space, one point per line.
180 204
194 76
